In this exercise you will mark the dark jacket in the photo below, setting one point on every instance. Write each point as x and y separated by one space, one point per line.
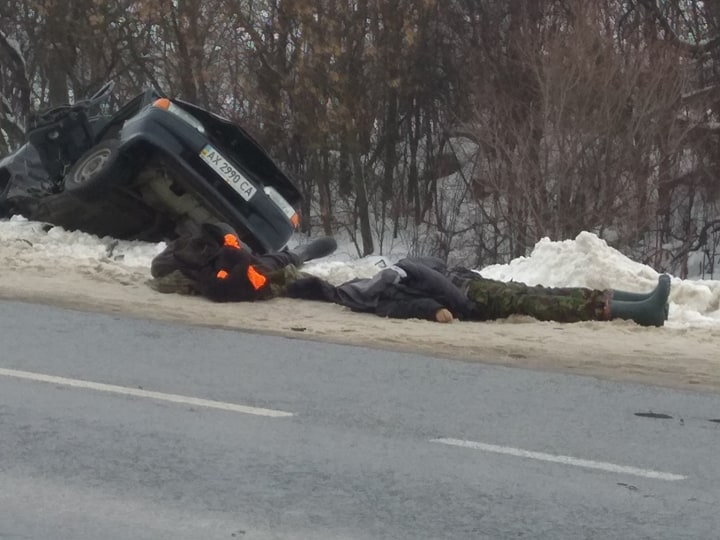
233 276
412 288
219 266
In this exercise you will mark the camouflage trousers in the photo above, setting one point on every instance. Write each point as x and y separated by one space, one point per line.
495 299
174 282
281 278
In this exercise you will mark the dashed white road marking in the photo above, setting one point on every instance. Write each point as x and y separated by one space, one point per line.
138 392
564 460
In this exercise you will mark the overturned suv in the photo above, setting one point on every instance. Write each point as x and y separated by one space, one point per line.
155 169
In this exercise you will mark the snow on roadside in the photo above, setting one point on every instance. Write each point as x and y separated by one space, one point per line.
586 261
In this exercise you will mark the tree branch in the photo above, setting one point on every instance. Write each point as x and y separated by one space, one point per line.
691 49
17 67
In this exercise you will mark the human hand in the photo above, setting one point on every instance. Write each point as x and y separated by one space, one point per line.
443 315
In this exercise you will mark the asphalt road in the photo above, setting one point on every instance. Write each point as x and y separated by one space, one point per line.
120 428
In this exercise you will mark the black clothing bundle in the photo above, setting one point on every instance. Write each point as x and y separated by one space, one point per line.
413 288
220 267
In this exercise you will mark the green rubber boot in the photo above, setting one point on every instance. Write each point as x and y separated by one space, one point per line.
635 297
650 310
627 296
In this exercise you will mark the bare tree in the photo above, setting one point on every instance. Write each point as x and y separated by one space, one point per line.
14 93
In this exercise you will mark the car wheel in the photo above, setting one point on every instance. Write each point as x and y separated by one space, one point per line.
97 169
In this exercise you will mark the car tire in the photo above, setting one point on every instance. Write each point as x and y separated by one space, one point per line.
98 169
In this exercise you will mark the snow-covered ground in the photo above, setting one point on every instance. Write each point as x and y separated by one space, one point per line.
586 261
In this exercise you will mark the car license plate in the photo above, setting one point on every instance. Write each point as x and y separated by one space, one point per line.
227 172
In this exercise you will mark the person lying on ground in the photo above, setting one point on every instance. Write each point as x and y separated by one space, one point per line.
423 288
413 288
218 266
